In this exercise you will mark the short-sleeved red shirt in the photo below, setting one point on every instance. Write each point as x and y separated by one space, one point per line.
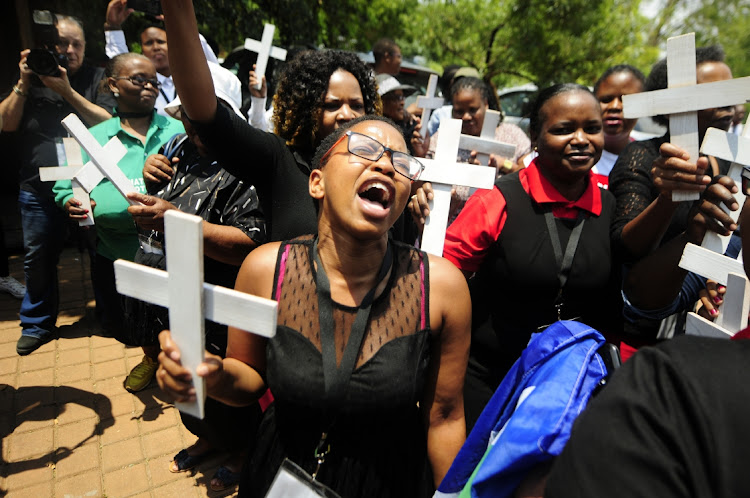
481 221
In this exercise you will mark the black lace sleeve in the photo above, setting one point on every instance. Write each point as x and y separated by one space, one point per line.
630 182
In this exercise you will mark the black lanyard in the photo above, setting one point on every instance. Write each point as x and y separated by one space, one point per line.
167 99
337 378
564 262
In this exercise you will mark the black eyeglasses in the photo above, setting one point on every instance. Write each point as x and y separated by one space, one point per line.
368 148
140 80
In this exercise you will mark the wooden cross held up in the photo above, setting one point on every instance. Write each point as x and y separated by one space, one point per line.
105 162
428 103
265 49
190 300
736 149
485 144
726 271
443 172
683 98
83 177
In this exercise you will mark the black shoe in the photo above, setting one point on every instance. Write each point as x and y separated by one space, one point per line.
28 344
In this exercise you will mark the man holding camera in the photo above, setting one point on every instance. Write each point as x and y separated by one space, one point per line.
34 109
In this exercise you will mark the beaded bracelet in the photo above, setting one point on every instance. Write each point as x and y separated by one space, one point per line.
19 92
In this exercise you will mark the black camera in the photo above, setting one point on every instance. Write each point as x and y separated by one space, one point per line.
44 60
150 7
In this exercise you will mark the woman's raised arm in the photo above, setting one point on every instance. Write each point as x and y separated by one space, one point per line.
187 61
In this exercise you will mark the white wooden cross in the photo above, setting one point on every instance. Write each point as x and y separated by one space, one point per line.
485 144
683 98
728 272
190 300
444 172
736 149
83 177
265 49
105 162
429 102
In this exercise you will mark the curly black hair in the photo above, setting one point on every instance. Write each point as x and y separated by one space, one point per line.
298 102
537 117
657 78
620 68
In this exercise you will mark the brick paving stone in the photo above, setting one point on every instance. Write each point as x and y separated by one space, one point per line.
134 353
77 433
37 361
158 469
25 474
121 404
158 419
8 380
26 445
178 489
74 391
122 428
35 491
106 353
72 343
8 349
152 398
35 417
37 378
104 441
88 484
120 454
11 326
72 373
8 365
163 443
127 481
75 411
82 458
110 369
77 356
110 387
98 341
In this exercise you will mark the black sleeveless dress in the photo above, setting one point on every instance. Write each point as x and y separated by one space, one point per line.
377 439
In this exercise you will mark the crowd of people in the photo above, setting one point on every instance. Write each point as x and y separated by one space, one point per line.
384 356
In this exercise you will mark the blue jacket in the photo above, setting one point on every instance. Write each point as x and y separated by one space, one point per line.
529 418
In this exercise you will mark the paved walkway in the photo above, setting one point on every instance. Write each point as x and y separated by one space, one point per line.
68 426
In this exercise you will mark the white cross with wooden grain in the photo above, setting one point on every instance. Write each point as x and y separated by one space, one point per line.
682 98
265 49
444 172
190 300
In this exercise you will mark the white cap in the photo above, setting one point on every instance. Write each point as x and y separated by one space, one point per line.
226 86
387 83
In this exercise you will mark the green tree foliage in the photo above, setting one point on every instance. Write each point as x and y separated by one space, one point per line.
542 41
726 22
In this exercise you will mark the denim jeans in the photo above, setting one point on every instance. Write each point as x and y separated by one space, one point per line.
44 226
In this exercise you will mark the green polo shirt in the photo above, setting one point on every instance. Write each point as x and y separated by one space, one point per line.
115 230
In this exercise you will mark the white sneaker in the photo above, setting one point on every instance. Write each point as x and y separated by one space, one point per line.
12 286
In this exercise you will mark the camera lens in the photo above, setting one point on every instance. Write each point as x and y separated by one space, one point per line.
43 62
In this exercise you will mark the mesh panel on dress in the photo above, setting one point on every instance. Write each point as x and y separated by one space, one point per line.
390 319
630 182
